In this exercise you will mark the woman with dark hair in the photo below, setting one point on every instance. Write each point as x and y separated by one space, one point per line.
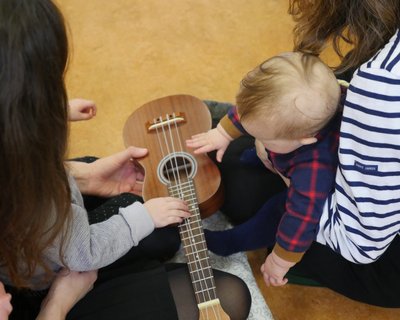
360 220
43 219
361 217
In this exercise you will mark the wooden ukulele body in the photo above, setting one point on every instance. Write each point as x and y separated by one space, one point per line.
196 119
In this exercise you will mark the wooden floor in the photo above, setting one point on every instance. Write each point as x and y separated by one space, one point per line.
126 53
294 302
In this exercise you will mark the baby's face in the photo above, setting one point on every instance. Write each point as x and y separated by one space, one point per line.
265 134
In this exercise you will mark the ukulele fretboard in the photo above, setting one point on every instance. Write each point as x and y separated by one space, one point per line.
194 244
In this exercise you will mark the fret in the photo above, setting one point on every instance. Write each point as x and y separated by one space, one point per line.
192 237
194 263
191 234
195 228
192 249
193 255
192 228
203 270
204 279
186 192
195 217
196 249
192 221
197 260
181 189
205 290
195 242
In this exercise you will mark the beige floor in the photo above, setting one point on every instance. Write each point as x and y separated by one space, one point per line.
128 52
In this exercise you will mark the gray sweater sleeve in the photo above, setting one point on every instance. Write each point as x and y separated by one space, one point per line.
94 246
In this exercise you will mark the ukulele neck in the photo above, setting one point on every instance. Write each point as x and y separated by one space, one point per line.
194 244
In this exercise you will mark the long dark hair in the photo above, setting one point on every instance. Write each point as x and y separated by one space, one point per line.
34 191
366 25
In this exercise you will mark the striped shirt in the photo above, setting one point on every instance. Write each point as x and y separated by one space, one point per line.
362 215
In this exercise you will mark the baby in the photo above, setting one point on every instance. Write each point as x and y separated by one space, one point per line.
290 105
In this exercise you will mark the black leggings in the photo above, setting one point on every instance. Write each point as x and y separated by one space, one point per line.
160 292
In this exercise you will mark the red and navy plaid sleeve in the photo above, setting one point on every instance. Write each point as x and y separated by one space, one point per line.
311 170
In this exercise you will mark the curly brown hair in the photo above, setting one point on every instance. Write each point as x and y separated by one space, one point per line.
364 24
35 194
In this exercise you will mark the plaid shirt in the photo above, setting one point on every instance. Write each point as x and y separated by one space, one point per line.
311 170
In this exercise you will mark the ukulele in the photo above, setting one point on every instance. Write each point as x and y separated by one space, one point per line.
162 126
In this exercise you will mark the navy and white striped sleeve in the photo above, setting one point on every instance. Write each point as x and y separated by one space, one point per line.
362 216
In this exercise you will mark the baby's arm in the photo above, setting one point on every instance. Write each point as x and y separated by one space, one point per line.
81 109
214 139
274 269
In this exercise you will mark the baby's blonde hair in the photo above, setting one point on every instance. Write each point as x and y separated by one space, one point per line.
295 92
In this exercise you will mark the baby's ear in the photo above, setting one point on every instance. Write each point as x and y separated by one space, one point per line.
309 140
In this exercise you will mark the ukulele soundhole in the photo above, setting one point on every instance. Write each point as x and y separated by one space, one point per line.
176 168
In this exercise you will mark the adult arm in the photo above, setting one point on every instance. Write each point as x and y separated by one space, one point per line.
66 290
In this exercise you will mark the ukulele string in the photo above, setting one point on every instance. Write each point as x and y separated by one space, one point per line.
158 138
176 168
200 269
168 152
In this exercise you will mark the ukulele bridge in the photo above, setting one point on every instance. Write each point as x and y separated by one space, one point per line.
167 121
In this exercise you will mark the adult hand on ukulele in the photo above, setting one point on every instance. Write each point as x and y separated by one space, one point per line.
274 270
112 175
81 109
214 139
167 210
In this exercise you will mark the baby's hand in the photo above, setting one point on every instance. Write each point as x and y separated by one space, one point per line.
214 139
81 109
167 210
274 269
